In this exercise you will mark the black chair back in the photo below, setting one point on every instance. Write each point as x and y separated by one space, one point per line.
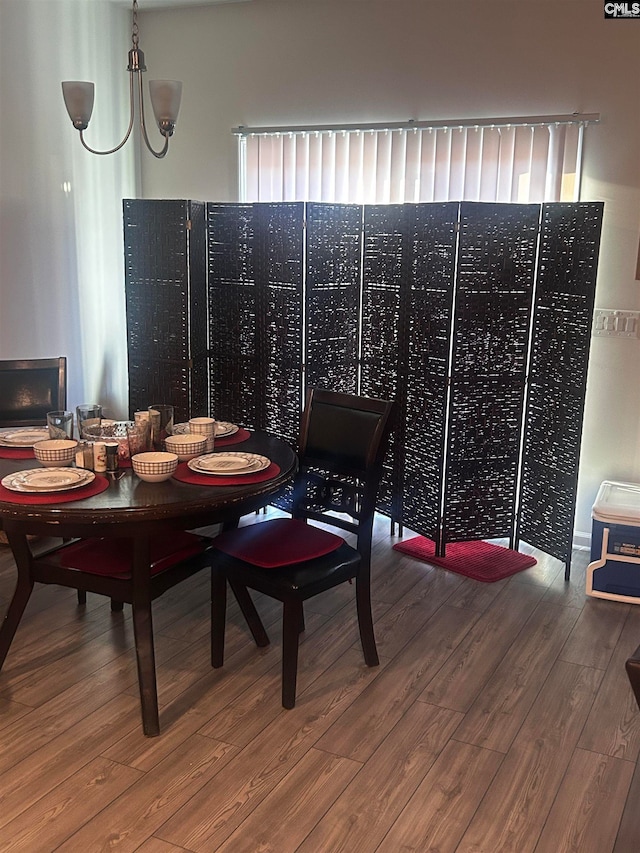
343 441
29 388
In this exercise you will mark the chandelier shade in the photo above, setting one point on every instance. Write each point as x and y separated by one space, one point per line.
78 99
165 99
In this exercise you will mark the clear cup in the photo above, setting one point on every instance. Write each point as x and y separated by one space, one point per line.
60 424
161 417
88 415
139 436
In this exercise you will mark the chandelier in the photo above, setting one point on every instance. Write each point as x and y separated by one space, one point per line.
165 100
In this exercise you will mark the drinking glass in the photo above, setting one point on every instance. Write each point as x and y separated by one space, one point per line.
138 435
88 414
60 424
161 417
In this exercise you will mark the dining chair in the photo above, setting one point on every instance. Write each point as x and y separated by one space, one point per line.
342 444
29 388
130 570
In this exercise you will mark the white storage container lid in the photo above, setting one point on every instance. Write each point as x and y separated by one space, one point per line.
618 503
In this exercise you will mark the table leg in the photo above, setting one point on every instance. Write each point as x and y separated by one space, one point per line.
21 595
143 634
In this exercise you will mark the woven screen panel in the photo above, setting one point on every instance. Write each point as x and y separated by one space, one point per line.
279 276
385 267
426 319
255 314
233 313
333 273
568 261
496 269
160 301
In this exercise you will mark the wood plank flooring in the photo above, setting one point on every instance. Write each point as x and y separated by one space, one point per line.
500 720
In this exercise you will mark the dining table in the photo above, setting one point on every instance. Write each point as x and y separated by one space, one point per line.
128 507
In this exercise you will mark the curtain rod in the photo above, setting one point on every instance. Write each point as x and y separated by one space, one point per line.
504 121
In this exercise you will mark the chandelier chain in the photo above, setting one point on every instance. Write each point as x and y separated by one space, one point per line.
134 35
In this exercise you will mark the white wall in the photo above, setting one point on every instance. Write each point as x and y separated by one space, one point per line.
61 267
270 62
273 62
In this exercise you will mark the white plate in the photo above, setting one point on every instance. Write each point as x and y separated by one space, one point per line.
25 437
180 429
229 464
223 428
48 479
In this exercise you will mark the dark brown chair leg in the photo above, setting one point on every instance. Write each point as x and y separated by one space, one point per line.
82 596
117 606
365 622
250 614
218 617
633 672
291 618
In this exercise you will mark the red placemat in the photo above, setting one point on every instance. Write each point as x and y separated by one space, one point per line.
94 488
17 453
186 475
236 438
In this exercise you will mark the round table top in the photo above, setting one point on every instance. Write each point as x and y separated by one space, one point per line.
130 503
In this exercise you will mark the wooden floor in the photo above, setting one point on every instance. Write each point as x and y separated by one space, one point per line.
500 719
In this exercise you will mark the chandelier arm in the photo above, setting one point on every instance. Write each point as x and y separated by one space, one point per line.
159 154
129 129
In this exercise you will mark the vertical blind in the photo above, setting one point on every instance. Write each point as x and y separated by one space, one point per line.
519 162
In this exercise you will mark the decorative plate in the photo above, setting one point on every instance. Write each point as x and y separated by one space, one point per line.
24 437
223 428
229 464
48 479
180 429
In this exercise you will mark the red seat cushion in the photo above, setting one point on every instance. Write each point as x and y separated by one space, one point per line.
113 557
280 542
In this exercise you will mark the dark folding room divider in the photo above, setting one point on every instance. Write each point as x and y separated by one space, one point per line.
474 317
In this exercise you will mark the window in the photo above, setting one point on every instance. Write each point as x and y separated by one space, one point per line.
508 160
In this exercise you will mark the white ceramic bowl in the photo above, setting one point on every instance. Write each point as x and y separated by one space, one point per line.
154 466
186 446
202 426
55 452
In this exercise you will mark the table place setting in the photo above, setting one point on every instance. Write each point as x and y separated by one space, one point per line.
227 469
17 442
225 433
47 479
51 485
224 464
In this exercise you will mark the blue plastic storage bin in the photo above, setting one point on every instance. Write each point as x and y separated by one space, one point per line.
614 570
